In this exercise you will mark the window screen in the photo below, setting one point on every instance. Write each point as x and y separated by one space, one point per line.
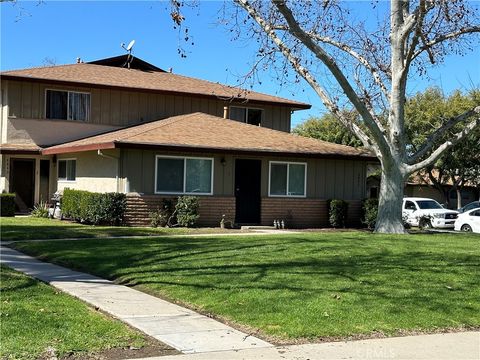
170 175
67 170
287 179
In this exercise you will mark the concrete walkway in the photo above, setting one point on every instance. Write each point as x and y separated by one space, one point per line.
181 328
452 346
202 338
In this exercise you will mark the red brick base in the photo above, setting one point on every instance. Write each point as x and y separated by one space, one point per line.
296 213
211 209
305 213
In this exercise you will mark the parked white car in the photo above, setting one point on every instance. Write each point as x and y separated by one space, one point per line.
469 221
427 213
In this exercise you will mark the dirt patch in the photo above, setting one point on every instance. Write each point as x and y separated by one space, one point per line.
151 348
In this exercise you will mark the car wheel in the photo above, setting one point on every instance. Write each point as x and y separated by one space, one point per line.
466 228
425 224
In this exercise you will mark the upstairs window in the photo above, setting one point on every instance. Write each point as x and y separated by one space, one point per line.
246 115
287 179
67 170
67 105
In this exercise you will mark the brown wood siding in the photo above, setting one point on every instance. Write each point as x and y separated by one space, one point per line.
211 209
122 108
326 178
305 213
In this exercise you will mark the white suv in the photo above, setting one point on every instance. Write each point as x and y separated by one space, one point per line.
427 213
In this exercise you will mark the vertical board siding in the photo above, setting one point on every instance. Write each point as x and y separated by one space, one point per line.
96 106
27 100
123 108
37 102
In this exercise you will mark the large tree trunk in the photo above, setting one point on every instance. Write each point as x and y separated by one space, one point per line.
389 218
459 197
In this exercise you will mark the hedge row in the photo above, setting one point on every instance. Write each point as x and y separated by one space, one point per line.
94 208
7 204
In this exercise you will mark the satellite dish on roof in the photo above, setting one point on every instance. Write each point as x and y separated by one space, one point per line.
130 45
129 53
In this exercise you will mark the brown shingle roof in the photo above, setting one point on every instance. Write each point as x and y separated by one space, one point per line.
8 148
202 132
110 76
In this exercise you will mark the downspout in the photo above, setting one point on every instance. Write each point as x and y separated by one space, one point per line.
100 153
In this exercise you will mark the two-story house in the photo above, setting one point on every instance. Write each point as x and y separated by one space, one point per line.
151 134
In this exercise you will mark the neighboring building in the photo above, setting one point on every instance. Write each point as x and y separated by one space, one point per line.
420 185
163 134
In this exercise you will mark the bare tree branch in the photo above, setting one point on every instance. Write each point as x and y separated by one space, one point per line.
446 145
295 62
442 38
431 141
372 124
347 49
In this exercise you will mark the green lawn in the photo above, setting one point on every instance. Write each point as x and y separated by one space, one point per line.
307 285
35 316
29 228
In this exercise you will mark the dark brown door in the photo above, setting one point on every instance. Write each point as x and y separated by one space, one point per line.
45 180
247 191
22 182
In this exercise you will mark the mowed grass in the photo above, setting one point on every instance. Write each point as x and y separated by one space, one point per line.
307 285
29 228
35 317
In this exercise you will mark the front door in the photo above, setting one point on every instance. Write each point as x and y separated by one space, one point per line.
247 191
22 183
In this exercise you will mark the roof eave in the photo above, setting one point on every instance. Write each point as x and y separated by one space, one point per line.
293 105
20 152
251 152
78 148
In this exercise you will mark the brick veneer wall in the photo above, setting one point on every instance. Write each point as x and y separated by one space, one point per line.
211 209
297 213
305 213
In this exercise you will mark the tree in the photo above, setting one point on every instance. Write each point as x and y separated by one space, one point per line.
352 61
461 165
328 128
424 113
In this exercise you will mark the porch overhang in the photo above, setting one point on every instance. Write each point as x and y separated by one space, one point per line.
203 149
20 149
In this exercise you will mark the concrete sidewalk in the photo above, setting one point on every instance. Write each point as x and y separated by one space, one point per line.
203 338
181 328
452 346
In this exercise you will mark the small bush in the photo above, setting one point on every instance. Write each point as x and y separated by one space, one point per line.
7 204
337 212
163 215
370 212
40 210
94 208
186 210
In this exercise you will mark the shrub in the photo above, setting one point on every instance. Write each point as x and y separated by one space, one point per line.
163 215
370 212
186 210
7 204
40 210
337 212
94 208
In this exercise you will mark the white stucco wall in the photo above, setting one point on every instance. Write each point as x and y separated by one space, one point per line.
93 172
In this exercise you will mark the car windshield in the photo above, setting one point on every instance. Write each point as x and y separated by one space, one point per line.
428 204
